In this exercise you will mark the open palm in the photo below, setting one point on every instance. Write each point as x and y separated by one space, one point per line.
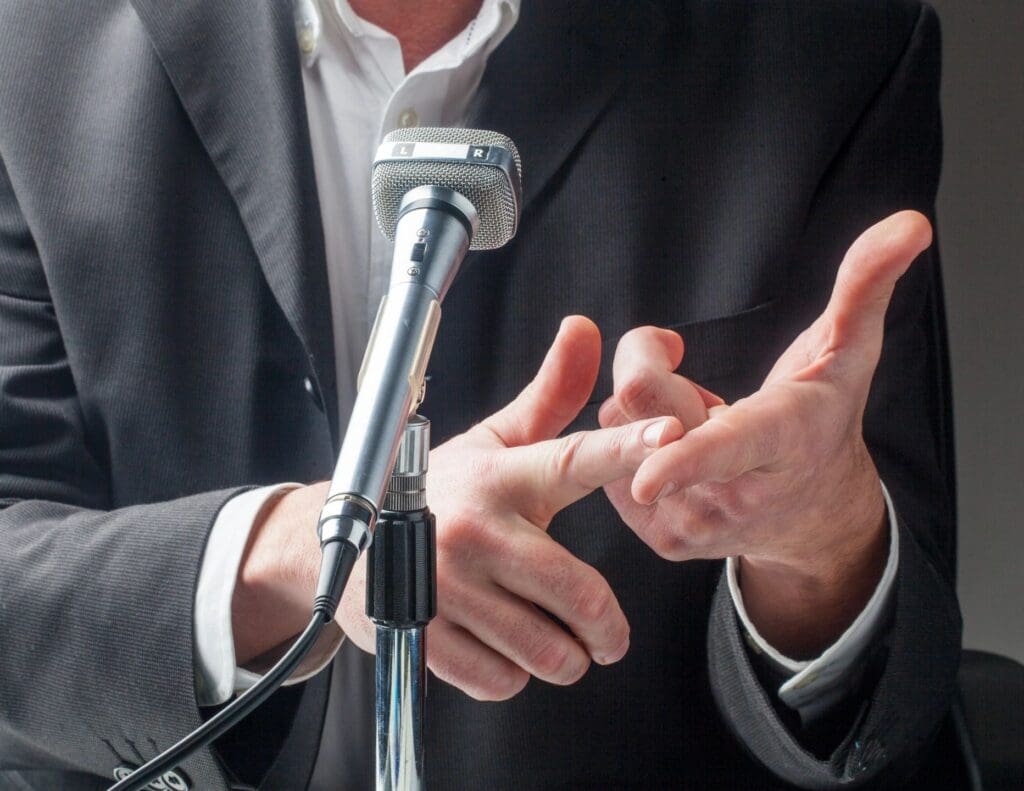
782 477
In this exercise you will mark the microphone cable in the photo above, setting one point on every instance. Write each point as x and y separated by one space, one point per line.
338 558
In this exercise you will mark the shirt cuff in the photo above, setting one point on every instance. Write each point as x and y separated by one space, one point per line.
816 685
214 639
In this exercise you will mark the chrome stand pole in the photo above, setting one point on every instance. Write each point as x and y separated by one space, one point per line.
401 599
401 694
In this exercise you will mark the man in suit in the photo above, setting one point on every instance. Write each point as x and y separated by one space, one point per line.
166 344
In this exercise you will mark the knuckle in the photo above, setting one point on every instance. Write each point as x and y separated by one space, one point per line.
618 443
638 393
635 334
640 337
667 544
723 503
460 529
566 452
548 658
592 602
465 537
466 528
478 677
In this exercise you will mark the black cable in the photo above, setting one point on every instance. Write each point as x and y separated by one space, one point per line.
335 567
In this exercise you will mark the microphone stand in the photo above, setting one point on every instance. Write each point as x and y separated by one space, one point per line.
401 598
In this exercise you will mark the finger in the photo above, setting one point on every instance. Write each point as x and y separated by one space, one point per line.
559 390
458 658
669 535
517 631
645 380
611 415
544 478
544 572
710 399
868 275
749 435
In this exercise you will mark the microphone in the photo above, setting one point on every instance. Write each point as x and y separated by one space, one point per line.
436 193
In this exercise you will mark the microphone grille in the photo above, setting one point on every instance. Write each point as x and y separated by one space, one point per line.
493 191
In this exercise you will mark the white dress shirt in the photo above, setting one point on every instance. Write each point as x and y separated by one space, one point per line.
357 91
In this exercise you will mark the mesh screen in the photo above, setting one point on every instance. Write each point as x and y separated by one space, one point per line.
487 188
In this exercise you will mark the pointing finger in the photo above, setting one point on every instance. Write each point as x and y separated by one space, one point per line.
544 478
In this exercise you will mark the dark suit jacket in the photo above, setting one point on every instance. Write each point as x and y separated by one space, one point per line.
163 299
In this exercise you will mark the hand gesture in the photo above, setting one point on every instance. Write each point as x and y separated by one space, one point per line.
782 478
495 490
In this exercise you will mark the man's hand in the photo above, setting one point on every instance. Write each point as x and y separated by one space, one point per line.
494 491
781 478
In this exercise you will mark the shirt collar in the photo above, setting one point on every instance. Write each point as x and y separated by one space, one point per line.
494 21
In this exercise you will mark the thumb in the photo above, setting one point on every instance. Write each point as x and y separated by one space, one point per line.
868 275
559 390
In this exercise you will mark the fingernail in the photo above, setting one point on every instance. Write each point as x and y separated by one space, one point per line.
613 656
666 490
652 434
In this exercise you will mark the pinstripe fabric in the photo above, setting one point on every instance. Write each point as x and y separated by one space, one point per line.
700 165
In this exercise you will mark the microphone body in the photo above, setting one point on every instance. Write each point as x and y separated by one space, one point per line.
431 240
437 193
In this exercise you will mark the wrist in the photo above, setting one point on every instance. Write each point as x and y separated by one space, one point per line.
803 600
277 575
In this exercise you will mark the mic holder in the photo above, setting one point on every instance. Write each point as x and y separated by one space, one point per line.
401 598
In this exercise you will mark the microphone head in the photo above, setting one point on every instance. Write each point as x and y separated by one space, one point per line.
481 166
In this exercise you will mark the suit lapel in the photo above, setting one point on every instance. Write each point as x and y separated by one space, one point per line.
235 68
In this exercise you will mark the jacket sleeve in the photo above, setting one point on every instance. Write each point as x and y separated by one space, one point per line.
889 162
96 643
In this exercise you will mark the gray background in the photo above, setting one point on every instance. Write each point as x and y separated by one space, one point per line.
981 224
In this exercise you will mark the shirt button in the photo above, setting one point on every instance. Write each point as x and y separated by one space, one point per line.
307 28
307 41
175 781
407 118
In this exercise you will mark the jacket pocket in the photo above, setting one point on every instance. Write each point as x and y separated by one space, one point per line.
730 355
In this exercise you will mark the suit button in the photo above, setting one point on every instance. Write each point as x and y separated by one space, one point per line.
174 781
313 392
168 781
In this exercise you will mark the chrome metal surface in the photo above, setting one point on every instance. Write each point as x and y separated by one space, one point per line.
433 230
401 694
414 453
408 488
349 518
483 166
395 362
